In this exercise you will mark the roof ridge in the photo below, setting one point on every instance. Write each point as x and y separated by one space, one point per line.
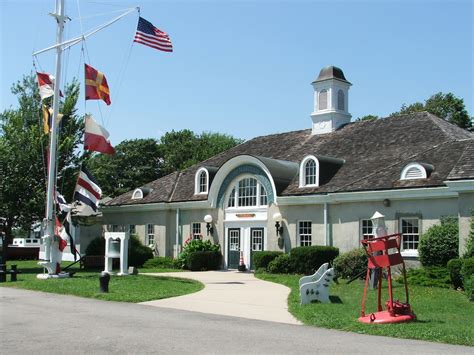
170 197
439 122
461 156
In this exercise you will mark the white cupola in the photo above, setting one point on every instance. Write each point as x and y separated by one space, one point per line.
331 100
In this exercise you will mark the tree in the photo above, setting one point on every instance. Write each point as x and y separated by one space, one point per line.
446 106
23 148
183 149
135 163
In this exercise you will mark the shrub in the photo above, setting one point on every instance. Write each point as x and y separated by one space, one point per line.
204 260
351 264
469 287
160 262
439 244
454 268
436 276
261 259
306 260
280 265
467 269
469 253
194 246
137 252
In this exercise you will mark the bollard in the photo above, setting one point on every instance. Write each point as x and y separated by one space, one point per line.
104 279
13 273
3 273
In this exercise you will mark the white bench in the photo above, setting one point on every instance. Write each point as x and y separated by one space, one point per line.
316 286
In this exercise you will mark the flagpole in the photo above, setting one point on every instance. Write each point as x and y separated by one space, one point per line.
50 253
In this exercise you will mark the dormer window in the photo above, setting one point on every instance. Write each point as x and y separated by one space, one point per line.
323 100
137 194
247 192
201 182
309 172
340 100
413 171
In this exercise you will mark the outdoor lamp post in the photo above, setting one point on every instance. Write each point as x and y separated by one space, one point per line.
279 228
208 220
378 224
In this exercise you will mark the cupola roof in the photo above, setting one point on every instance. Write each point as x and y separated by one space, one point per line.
331 72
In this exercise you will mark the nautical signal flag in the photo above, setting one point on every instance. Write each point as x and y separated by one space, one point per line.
46 85
87 191
151 36
96 85
96 137
47 113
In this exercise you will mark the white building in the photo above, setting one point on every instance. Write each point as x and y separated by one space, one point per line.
320 184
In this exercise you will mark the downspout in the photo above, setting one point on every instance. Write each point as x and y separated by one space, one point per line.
177 233
326 226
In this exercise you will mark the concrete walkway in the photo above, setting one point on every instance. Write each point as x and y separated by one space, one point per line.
232 293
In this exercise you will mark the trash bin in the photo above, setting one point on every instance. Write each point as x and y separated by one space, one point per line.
104 279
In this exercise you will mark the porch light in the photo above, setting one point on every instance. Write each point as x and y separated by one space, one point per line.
278 223
208 220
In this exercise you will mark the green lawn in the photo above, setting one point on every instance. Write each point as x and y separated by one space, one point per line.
138 288
443 315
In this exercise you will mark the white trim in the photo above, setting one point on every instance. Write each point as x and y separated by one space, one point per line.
411 166
230 165
409 252
461 185
298 236
137 194
303 171
197 182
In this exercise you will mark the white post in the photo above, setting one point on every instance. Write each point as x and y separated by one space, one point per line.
49 234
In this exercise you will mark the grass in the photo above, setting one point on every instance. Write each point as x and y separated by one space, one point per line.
158 270
443 315
133 288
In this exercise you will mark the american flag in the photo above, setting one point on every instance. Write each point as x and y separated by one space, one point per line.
151 36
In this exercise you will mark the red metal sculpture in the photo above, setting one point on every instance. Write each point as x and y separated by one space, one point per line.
384 252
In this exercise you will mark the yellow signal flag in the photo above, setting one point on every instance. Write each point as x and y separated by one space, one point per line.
47 113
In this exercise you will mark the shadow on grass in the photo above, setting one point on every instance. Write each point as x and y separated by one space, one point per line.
335 299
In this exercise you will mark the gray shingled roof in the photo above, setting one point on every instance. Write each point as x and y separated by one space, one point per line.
373 155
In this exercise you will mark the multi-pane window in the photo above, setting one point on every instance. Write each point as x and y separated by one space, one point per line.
196 231
366 227
263 196
231 202
150 236
248 193
203 182
132 229
310 172
323 100
410 233
340 100
304 232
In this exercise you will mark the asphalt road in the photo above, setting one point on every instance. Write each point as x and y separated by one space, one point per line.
34 322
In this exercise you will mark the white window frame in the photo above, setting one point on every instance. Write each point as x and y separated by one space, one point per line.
409 252
299 234
196 232
410 166
234 187
137 194
362 227
148 234
303 171
197 181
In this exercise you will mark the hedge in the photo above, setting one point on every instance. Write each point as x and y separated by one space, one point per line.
439 244
351 264
261 259
160 262
280 265
203 260
454 268
307 260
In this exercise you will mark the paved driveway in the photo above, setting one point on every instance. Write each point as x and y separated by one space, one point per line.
232 293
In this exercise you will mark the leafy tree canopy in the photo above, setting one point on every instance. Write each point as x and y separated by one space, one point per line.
23 153
446 106
367 118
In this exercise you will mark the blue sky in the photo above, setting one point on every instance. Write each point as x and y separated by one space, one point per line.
245 67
